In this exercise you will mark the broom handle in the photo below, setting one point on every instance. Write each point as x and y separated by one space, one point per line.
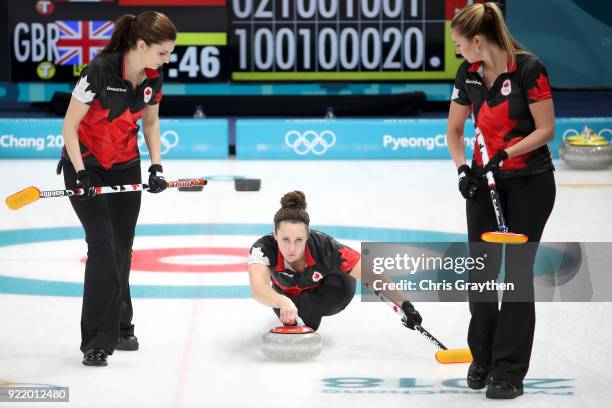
121 188
417 327
499 214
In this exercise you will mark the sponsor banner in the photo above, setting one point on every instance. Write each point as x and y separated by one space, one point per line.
180 139
341 139
191 139
31 138
370 138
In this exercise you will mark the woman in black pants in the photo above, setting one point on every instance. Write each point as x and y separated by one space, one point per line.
122 84
506 90
312 274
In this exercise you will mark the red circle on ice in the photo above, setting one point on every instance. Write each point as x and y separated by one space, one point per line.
155 260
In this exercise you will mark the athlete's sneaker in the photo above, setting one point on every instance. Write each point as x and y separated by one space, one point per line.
477 376
501 389
96 357
127 343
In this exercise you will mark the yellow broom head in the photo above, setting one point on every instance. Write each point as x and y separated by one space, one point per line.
504 237
22 198
454 356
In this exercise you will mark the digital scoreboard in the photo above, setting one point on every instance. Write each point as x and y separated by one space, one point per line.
321 40
248 40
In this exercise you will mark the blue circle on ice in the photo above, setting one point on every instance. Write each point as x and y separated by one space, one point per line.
23 286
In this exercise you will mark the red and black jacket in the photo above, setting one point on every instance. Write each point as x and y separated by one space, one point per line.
502 112
323 255
108 133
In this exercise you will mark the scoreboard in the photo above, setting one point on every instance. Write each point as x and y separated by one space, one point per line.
248 40
338 40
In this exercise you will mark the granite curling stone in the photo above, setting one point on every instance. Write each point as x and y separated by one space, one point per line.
291 343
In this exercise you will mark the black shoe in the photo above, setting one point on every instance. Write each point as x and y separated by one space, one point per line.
95 357
500 389
477 376
127 343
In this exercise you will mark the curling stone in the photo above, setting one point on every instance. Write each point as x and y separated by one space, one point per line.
246 184
586 151
291 343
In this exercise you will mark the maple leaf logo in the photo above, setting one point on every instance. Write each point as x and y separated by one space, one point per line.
257 256
80 91
541 90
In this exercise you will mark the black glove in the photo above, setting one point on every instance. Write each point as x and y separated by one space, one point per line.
412 316
84 182
157 182
495 162
468 181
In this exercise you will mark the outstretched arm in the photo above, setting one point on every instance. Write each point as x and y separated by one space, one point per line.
259 279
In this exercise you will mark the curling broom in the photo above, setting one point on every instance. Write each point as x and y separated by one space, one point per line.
31 194
503 234
443 355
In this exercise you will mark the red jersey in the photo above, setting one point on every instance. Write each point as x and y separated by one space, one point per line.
502 112
108 133
323 254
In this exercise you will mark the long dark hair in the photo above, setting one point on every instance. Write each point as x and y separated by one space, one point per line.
151 26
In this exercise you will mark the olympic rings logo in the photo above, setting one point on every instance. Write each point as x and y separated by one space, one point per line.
310 141
574 132
168 140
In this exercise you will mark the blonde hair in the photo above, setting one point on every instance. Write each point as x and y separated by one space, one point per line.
487 20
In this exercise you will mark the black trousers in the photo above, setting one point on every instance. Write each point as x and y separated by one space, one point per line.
502 338
332 296
109 221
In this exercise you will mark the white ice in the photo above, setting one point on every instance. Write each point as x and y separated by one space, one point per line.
205 352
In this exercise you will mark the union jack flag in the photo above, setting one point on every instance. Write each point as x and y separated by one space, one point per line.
80 41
